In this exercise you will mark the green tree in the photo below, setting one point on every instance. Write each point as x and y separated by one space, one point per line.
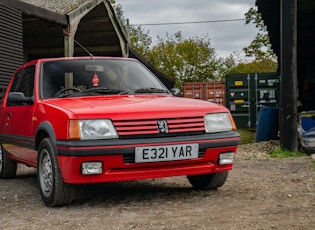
226 65
193 59
185 60
254 67
140 39
259 54
260 49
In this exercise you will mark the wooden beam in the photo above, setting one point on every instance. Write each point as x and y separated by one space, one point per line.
60 50
76 15
121 35
288 98
47 36
69 39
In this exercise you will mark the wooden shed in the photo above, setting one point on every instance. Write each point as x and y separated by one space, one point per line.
31 29
291 27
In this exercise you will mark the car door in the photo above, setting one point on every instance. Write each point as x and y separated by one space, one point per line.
17 118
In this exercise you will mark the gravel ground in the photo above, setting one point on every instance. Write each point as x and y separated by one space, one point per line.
260 193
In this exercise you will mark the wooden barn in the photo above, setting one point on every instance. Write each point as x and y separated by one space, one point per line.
31 29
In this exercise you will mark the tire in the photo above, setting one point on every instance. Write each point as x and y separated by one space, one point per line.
208 181
53 190
7 166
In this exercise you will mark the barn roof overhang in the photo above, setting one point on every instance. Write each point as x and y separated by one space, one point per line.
47 24
271 13
92 23
36 11
291 27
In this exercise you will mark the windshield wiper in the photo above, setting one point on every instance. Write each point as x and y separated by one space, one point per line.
102 90
151 90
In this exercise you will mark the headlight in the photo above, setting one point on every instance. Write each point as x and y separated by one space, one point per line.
97 129
218 122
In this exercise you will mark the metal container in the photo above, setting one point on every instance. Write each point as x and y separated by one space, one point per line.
247 93
208 91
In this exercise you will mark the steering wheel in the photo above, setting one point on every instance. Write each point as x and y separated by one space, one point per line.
58 94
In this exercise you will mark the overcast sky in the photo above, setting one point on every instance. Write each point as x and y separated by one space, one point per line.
226 37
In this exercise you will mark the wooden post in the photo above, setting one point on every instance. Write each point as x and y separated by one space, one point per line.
69 50
288 91
69 34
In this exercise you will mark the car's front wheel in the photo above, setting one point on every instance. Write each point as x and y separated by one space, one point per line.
7 166
54 191
208 181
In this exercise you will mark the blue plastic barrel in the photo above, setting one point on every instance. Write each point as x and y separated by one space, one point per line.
267 125
307 120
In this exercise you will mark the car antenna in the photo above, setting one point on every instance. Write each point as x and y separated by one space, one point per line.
91 55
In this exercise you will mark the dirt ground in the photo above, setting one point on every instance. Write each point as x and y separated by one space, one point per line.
260 193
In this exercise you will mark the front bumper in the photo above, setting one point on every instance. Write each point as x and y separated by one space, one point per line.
117 157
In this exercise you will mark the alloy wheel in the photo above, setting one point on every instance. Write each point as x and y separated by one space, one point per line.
45 173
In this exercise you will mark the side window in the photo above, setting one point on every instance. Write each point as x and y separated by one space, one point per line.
24 81
16 81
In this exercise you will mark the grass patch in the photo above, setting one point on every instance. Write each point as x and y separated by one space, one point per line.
280 153
312 166
247 135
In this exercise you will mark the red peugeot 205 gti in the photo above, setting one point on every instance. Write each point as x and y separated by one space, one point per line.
98 119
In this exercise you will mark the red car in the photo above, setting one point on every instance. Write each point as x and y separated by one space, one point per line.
97 119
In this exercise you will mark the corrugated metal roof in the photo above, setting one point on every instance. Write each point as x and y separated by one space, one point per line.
58 6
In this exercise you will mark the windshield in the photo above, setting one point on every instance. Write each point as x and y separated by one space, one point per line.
88 77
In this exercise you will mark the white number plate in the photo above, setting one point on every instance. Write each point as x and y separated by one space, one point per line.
166 153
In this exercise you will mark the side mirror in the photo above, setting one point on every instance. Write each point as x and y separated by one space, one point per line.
17 98
176 92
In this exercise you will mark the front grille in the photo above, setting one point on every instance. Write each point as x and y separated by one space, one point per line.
149 127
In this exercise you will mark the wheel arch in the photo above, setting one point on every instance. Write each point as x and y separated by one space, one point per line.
45 129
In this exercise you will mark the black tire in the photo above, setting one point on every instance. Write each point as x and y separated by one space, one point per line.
7 166
53 190
208 181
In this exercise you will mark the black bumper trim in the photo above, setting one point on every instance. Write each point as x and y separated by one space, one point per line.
114 147
17 140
